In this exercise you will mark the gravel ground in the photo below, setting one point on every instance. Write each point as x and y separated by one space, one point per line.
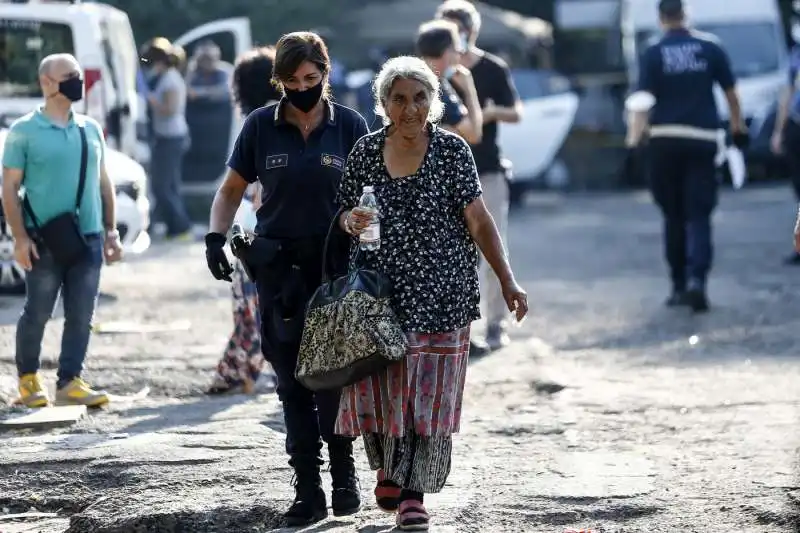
608 411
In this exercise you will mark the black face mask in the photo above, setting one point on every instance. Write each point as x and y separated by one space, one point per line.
304 100
72 88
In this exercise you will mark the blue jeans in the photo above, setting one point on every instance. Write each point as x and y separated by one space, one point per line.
166 175
79 286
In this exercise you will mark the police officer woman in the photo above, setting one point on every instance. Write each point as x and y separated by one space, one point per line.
297 150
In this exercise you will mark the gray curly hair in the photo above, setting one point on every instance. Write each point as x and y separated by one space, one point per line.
407 68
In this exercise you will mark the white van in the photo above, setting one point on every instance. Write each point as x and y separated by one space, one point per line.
751 32
101 38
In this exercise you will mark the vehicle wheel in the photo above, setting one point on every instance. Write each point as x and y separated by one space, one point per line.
12 276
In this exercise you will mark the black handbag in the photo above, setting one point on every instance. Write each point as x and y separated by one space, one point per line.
350 329
62 235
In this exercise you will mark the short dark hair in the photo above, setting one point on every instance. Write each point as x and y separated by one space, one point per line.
671 9
293 49
463 11
434 38
251 82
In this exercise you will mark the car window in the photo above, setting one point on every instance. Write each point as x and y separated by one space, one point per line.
23 44
539 83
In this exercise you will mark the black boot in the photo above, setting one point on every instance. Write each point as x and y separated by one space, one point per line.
346 495
677 298
697 297
309 502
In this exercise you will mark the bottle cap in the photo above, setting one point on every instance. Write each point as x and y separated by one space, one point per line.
368 188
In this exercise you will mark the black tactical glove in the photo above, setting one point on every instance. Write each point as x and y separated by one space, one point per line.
216 257
741 140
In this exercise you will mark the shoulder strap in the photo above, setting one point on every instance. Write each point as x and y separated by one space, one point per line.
26 204
84 163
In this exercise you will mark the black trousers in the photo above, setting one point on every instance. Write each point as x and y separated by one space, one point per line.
283 290
683 180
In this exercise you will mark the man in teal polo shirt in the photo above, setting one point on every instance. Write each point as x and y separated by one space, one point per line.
42 156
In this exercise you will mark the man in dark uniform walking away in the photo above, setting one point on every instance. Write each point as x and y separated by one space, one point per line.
680 72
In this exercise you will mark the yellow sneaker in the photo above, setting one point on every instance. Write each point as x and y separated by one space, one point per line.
31 391
78 392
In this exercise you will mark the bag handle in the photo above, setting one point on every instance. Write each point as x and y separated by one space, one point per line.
26 204
326 277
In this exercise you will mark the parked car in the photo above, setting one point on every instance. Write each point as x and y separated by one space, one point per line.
532 144
133 216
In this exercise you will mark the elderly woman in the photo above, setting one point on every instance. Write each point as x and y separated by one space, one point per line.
432 216
242 363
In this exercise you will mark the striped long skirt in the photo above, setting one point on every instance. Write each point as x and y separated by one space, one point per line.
408 412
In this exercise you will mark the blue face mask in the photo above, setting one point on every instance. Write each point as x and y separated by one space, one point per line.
449 72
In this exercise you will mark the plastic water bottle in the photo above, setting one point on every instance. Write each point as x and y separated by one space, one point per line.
370 239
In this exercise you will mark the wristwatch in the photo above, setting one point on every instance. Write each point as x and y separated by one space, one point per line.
112 234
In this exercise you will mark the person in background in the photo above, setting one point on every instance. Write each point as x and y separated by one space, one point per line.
44 149
680 72
438 45
167 101
500 103
296 149
242 363
786 137
208 79
432 216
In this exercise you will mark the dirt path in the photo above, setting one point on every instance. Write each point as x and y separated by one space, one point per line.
608 412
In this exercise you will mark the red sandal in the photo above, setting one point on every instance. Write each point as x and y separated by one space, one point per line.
413 516
387 493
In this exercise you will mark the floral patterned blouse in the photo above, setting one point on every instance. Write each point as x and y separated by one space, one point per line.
426 249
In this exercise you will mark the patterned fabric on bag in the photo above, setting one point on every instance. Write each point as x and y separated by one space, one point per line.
341 340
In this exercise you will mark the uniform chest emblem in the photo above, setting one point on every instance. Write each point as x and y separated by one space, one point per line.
330 160
277 161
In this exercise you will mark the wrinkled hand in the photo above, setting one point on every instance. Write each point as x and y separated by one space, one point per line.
217 259
516 299
359 218
25 252
112 248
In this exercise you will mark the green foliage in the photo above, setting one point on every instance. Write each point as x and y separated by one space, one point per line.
268 18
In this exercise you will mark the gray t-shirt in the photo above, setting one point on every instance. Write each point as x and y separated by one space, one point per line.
173 125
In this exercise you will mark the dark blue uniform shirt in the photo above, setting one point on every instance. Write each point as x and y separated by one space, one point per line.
299 178
680 71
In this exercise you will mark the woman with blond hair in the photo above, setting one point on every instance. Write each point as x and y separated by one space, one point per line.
170 131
